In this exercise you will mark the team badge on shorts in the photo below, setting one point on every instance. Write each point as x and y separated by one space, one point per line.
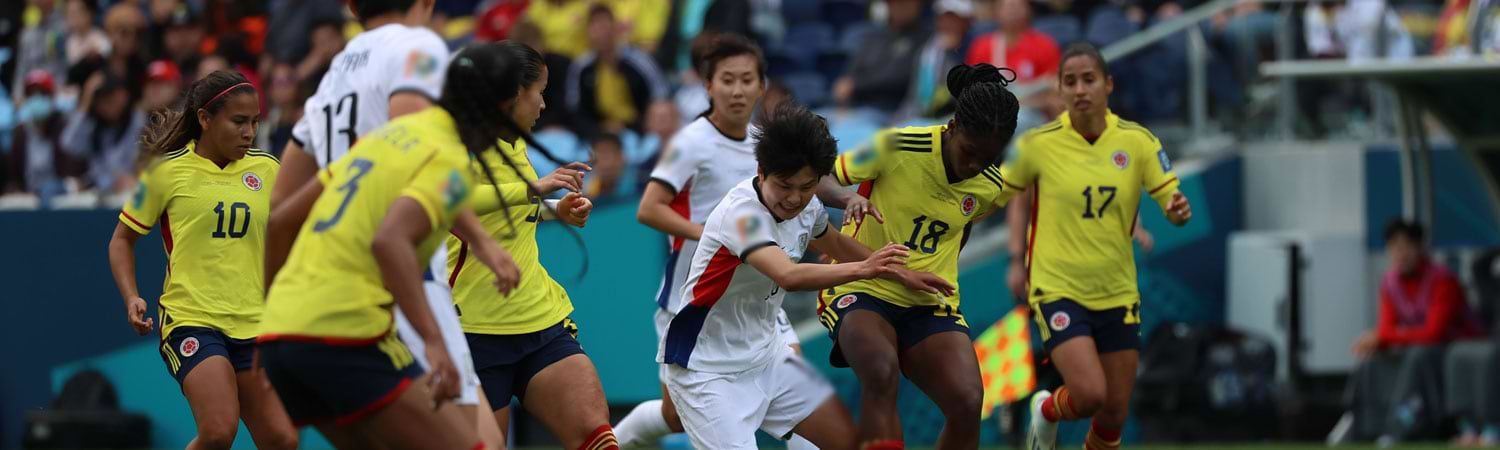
1120 158
252 181
845 301
188 348
967 205
1059 321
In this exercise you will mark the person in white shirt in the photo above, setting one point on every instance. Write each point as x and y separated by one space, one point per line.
728 371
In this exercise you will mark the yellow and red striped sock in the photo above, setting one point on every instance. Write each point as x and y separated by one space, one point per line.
884 445
603 438
1101 438
1059 407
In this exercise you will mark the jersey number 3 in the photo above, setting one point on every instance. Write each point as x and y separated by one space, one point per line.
361 168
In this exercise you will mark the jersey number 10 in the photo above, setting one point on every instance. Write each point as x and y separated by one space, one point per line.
237 228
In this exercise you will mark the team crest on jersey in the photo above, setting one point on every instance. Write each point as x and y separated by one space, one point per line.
420 64
252 181
845 301
1059 321
747 226
967 205
188 348
1121 159
1166 164
456 190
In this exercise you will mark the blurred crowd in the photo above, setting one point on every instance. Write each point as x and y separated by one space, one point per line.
87 72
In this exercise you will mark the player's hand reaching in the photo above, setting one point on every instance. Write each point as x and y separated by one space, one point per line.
574 209
1178 210
857 207
568 177
885 261
507 274
922 282
135 314
443 379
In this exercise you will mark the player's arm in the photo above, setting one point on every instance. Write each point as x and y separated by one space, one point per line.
855 206
286 218
407 102
1162 185
1016 178
122 266
845 248
405 225
656 212
776 265
296 168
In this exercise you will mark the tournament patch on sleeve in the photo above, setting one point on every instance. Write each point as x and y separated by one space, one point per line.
1166 164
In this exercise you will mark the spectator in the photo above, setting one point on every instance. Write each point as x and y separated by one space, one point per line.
776 94
496 19
662 122
37 163
1016 45
163 84
643 21
159 14
292 22
103 131
211 64
1353 30
287 97
556 115
558 20
880 72
606 183
125 26
690 18
610 86
1396 391
326 41
180 41
691 97
929 94
85 40
41 44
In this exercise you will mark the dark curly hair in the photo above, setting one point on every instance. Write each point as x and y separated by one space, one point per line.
792 138
985 109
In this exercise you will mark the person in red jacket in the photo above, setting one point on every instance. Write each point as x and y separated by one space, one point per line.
1397 390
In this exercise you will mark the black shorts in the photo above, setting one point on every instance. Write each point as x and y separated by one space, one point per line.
912 323
185 347
506 362
1113 330
328 383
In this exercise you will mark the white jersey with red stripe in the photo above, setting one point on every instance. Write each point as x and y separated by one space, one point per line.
728 321
701 164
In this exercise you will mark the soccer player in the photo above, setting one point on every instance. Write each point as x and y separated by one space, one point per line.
1087 171
210 193
524 345
931 183
727 368
328 344
702 163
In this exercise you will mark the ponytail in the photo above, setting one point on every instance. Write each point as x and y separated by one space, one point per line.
169 129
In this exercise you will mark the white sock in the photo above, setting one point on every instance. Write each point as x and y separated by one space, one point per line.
799 443
643 427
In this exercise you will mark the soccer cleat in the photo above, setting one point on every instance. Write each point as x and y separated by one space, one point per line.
1042 434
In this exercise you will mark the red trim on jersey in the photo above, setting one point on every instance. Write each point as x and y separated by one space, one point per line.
1036 207
1132 225
463 255
1163 185
715 279
138 223
325 340
844 170
681 204
166 235
375 406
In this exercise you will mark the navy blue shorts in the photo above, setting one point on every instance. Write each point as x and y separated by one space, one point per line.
185 347
507 362
1113 330
339 384
912 323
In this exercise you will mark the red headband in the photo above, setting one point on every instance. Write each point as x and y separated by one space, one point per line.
226 91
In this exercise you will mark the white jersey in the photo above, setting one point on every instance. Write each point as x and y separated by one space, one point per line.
701 164
353 98
728 321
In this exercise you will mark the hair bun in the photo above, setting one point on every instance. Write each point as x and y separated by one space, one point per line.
960 77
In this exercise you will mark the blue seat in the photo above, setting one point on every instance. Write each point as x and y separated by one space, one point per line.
831 64
801 11
852 36
799 50
808 88
1064 29
1108 25
841 13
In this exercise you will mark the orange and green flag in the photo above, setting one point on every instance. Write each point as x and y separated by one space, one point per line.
1004 352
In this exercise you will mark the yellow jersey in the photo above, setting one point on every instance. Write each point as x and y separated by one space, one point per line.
331 288
538 301
903 174
1087 197
213 225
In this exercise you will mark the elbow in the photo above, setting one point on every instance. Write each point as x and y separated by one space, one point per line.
792 282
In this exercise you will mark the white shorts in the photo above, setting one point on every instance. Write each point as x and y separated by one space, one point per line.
440 301
664 318
722 411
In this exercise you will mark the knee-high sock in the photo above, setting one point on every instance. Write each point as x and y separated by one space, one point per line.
643 427
1101 438
603 438
1059 407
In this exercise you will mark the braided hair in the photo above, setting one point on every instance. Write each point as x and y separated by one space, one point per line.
985 109
169 129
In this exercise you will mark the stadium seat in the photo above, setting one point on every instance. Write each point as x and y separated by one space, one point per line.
1107 25
800 49
841 13
1064 29
808 88
831 64
852 35
800 11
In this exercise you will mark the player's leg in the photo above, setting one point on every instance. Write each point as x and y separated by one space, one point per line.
830 427
789 336
484 421
567 397
1068 339
410 422
646 424
719 411
212 393
669 411
1119 377
805 408
262 412
944 367
868 342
